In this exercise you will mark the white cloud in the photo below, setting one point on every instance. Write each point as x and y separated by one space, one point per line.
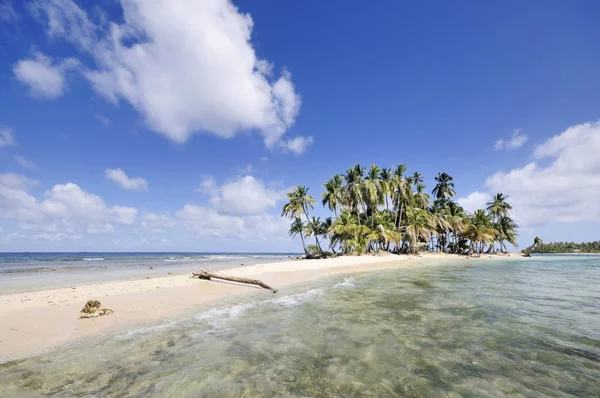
562 185
102 229
64 208
240 209
208 186
65 19
244 196
123 215
517 140
6 137
120 178
297 145
102 119
206 221
157 221
44 78
16 181
28 164
476 200
187 66
7 12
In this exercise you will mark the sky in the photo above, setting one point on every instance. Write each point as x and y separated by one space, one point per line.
133 125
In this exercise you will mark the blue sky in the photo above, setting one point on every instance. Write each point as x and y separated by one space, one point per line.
135 125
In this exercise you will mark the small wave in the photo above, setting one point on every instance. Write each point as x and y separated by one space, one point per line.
297 299
93 259
147 330
217 317
223 257
347 282
183 259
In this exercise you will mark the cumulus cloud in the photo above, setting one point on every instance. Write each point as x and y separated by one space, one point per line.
243 196
16 181
44 77
240 209
120 178
64 208
187 66
157 222
517 140
207 221
28 164
476 200
561 185
102 229
297 145
6 137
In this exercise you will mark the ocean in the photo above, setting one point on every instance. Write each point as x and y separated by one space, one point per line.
23 272
523 327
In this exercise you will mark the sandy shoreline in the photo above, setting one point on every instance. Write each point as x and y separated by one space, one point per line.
36 321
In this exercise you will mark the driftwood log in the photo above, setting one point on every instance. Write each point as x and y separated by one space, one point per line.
203 274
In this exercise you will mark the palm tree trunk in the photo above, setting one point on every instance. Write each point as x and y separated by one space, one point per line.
303 244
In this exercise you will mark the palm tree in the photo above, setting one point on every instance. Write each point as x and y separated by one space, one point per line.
480 231
325 230
536 242
420 197
382 230
458 220
385 178
507 231
418 228
409 222
400 191
498 207
353 190
417 178
297 228
341 230
332 195
299 202
444 189
314 228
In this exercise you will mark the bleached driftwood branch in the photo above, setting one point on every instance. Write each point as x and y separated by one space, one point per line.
203 274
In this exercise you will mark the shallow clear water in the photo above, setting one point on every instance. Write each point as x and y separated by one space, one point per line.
23 272
473 329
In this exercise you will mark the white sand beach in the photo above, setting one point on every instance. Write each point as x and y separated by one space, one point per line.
36 321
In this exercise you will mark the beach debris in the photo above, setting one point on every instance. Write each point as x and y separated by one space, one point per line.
92 310
150 267
207 275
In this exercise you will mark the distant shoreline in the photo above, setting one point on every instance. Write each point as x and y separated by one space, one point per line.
36 321
574 254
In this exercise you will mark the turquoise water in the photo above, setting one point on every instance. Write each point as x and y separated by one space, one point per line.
526 328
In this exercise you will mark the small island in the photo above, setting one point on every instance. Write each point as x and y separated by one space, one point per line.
384 210
567 247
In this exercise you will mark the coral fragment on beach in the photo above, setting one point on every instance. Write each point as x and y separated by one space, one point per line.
92 310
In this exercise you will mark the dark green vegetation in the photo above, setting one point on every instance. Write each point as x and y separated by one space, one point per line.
566 247
384 210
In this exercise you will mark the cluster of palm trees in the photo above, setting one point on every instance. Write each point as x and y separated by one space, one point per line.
381 209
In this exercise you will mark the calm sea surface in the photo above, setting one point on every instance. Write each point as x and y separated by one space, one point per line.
527 328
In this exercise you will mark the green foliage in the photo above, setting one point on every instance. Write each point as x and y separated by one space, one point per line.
567 247
382 209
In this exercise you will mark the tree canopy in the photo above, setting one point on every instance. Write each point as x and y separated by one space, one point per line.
383 209
567 247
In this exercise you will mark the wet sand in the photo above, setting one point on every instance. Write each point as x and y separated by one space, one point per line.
38 321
